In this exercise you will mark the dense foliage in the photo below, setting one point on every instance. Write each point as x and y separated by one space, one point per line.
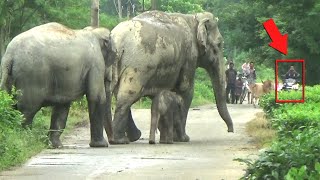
240 22
296 152
17 144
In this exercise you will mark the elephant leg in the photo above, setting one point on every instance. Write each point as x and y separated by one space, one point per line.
166 137
133 133
58 123
155 116
108 119
120 123
128 92
170 121
163 128
28 108
187 98
97 104
28 116
177 131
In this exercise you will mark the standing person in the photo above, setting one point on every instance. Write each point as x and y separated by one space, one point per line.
229 60
231 76
251 77
245 68
238 88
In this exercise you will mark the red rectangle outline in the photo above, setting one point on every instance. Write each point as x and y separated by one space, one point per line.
303 81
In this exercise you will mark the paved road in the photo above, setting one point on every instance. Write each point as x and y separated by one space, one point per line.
209 155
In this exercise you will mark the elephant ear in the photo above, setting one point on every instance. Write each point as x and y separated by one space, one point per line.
202 34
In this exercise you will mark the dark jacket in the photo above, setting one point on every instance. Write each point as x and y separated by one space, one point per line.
231 75
238 89
292 74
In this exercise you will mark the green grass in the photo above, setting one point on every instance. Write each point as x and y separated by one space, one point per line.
295 153
17 144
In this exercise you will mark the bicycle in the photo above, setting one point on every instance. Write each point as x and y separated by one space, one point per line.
245 89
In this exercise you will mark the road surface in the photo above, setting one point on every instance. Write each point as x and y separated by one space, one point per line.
209 154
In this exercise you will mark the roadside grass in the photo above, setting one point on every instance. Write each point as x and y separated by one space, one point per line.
17 145
261 131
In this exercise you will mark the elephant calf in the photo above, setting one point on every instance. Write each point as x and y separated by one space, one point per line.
52 65
167 111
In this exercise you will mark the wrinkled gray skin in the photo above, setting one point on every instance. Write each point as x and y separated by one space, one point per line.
167 112
52 65
157 51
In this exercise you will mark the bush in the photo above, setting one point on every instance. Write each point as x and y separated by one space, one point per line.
17 144
286 153
296 152
203 92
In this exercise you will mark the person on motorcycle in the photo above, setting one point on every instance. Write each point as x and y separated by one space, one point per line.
292 73
291 81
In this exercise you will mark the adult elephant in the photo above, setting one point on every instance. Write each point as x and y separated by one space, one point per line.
52 65
156 51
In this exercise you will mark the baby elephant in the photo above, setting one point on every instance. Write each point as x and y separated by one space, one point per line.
167 112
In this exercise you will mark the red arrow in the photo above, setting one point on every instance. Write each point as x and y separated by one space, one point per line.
279 42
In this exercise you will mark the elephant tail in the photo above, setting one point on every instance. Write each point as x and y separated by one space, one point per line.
6 71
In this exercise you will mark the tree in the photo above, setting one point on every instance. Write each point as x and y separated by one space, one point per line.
155 4
119 9
95 13
15 17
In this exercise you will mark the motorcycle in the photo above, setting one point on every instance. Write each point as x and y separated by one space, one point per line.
245 88
290 84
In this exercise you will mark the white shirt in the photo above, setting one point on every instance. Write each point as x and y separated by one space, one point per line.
245 68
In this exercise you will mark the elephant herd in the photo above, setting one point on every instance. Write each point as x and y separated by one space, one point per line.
155 55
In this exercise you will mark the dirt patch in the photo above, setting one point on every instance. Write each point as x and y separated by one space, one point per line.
260 130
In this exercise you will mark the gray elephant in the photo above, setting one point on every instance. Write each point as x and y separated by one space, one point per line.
167 111
157 51
52 65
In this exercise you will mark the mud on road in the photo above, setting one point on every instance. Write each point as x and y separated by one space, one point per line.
209 154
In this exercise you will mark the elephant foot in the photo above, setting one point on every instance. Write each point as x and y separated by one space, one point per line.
183 138
101 143
120 140
56 144
166 141
134 135
152 142
54 140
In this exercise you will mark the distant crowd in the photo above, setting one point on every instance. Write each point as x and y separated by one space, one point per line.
234 80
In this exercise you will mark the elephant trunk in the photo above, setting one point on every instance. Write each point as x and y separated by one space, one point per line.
217 76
